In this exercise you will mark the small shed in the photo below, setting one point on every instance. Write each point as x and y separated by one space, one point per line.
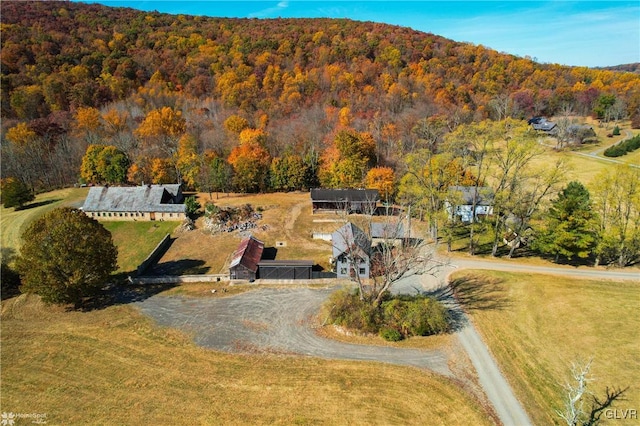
285 269
344 200
244 264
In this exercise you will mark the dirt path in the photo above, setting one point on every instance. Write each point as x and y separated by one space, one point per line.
274 321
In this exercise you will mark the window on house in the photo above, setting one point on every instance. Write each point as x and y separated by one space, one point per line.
362 271
343 271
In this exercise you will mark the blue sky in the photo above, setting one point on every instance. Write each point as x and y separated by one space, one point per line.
585 33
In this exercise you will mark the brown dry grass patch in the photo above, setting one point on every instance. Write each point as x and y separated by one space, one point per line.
537 325
114 366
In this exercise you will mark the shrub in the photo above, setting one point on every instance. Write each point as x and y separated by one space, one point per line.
191 206
616 131
210 209
390 334
405 315
623 147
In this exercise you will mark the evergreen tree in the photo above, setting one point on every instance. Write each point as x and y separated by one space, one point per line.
570 225
15 193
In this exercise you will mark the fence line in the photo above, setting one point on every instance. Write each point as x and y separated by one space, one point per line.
154 255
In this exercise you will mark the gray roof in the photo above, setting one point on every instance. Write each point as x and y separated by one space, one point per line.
544 125
147 198
463 195
348 235
387 230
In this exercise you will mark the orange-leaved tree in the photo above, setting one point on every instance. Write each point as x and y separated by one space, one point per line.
250 161
384 180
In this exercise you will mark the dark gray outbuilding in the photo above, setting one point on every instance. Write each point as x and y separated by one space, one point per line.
285 269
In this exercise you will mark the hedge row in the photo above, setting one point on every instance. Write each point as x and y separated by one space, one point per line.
623 147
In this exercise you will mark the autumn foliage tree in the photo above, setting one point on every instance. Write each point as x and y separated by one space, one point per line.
346 162
250 161
104 164
162 128
383 179
66 257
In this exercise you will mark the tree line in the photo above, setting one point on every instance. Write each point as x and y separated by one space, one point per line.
75 75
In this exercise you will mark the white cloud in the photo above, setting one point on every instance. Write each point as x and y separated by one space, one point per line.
270 12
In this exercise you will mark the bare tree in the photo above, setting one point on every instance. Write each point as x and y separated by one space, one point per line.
389 249
574 412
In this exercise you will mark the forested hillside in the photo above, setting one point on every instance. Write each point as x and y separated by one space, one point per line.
212 101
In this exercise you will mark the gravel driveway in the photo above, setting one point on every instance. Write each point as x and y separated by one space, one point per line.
274 320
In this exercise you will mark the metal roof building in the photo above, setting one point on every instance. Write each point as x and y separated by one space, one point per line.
244 264
147 202
349 200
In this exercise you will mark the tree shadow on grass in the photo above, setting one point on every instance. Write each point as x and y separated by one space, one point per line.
479 293
467 294
179 267
123 294
38 204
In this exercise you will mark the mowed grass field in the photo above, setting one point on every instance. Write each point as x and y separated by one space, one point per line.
114 366
135 240
537 325
14 222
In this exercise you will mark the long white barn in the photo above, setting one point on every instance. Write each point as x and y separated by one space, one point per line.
147 202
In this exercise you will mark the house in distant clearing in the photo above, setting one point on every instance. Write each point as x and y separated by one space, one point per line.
542 124
146 202
344 200
351 252
244 263
469 203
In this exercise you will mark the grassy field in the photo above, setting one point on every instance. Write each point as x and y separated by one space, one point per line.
13 223
136 240
113 366
537 325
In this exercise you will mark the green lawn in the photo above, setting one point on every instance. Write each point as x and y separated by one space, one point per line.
136 240
14 222
537 325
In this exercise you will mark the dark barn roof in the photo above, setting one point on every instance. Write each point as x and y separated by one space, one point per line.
337 195
248 254
147 198
308 263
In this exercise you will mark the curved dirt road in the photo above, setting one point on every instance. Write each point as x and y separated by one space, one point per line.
274 320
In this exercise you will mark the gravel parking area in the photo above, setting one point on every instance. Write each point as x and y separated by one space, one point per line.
269 320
